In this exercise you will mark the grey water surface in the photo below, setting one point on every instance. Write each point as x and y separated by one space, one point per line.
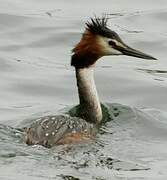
36 38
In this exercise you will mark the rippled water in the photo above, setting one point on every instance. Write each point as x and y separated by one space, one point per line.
37 80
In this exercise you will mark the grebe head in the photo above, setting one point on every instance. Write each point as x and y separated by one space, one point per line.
97 41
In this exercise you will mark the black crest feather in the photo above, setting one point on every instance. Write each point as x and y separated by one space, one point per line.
98 26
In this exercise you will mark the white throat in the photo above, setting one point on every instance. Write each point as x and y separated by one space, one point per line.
90 108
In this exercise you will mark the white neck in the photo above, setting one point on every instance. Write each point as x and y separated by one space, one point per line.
90 108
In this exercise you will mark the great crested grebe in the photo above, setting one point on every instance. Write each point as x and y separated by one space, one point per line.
97 41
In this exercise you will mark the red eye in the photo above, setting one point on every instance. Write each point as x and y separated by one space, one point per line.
112 43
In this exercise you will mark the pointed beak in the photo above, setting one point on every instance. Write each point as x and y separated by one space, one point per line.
126 50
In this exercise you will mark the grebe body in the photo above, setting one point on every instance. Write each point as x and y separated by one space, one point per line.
97 41
61 129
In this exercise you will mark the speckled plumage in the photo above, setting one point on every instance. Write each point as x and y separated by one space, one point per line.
51 130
